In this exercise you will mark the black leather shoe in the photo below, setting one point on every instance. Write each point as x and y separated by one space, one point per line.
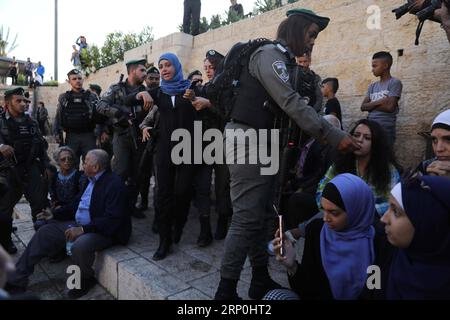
259 286
227 290
163 251
86 286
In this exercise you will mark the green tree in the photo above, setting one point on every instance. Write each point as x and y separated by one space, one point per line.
216 22
204 25
117 43
232 17
267 5
96 58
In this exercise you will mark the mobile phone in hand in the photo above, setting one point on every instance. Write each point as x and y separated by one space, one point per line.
280 227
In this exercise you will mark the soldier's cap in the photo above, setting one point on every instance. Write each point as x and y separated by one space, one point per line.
152 69
72 72
322 22
14 92
194 73
136 62
95 87
214 53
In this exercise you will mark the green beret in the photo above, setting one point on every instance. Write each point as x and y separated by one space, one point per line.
95 87
73 71
214 53
136 62
14 92
322 22
153 69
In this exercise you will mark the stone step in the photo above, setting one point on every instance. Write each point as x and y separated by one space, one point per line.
130 273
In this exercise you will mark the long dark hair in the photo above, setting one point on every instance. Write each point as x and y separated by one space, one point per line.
293 30
381 158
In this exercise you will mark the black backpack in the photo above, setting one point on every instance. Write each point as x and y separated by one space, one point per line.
222 89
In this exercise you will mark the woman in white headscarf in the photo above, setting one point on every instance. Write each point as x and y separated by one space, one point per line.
440 139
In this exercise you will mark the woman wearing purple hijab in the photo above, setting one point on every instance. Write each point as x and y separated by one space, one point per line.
338 248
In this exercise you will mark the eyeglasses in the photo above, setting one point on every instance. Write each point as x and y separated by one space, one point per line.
153 78
66 159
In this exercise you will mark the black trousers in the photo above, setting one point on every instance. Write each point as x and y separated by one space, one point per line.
174 195
202 189
222 190
29 182
191 10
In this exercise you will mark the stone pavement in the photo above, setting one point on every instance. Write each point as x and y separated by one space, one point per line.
189 273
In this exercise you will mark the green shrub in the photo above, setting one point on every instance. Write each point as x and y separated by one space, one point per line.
52 83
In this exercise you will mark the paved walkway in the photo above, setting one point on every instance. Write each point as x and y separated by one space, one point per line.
190 273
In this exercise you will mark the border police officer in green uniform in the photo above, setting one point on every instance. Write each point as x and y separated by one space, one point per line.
267 78
23 160
75 115
126 120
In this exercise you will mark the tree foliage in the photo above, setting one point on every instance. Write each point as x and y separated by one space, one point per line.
115 45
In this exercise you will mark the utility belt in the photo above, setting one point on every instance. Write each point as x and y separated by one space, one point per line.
84 130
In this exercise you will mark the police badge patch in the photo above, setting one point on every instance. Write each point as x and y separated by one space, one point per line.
280 69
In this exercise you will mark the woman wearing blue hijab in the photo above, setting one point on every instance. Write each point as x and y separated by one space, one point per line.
418 225
173 176
338 248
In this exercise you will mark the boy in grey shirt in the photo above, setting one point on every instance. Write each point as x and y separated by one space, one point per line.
382 97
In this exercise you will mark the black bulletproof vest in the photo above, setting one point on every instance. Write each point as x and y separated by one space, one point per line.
22 136
251 106
76 114
248 106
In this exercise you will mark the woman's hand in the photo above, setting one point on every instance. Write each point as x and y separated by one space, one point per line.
439 168
201 103
146 134
288 260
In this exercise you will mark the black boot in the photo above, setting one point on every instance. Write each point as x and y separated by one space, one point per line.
221 228
205 237
227 290
165 242
261 283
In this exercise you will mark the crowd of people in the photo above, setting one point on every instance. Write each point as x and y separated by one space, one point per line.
34 74
343 193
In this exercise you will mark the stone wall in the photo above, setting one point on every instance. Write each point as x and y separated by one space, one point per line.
343 50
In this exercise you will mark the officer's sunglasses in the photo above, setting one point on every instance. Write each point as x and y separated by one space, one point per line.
66 159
